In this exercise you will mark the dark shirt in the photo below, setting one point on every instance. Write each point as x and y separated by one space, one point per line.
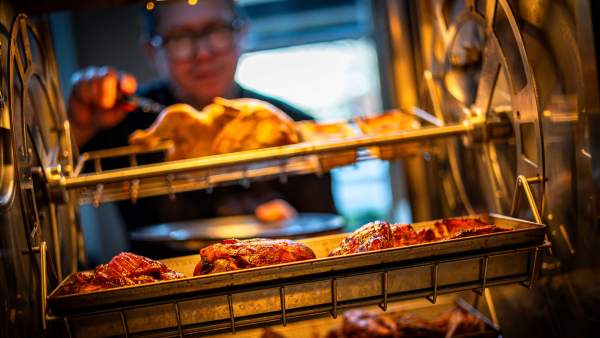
307 193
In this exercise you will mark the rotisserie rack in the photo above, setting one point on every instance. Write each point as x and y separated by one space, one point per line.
134 181
294 291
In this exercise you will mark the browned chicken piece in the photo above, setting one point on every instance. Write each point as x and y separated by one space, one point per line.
233 254
364 324
124 269
191 131
221 127
257 125
371 236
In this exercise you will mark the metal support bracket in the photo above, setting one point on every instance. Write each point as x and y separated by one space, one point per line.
523 185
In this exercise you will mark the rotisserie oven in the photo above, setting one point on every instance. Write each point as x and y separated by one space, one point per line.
489 131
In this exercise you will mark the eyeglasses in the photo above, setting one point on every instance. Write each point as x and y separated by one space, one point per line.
184 46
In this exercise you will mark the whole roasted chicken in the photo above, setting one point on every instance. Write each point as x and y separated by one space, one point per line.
123 270
233 254
221 127
382 235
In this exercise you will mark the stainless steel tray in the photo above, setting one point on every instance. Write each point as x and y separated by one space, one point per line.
277 294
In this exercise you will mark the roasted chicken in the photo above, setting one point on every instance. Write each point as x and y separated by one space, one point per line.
381 235
222 127
233 254
123 270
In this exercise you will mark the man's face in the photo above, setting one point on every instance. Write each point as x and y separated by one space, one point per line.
207 71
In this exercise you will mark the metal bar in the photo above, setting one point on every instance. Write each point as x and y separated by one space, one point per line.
180 183
282 302
384 287
434 281
231 313
334 298
533 267
55 240
274 153
43 282
483 275
124 151
68 327
124 324
178 316
523 182
491 307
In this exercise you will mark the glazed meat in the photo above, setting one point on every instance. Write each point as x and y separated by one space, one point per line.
463 227
124 269
381 235
221 127
371 236
233 254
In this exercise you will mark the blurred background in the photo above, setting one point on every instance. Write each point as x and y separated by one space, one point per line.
320 56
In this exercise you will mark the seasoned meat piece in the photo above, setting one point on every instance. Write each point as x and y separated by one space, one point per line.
124 269
364 324
458 321
411 325
380 235
371 236
464 227
233 254
221 127
270 333
404 234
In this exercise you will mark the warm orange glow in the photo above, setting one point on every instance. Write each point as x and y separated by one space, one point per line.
149 5
192 2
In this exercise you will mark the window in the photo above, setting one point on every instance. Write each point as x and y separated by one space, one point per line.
334 80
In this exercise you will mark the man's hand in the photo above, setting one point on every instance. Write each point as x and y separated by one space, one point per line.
274 211
94 100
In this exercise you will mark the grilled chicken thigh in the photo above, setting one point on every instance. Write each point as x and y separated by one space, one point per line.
233 254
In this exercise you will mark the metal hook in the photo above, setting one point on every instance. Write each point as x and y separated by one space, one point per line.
98 195
245 182
283 179
170 190
134 188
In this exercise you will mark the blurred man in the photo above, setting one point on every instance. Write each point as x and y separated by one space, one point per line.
195 51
